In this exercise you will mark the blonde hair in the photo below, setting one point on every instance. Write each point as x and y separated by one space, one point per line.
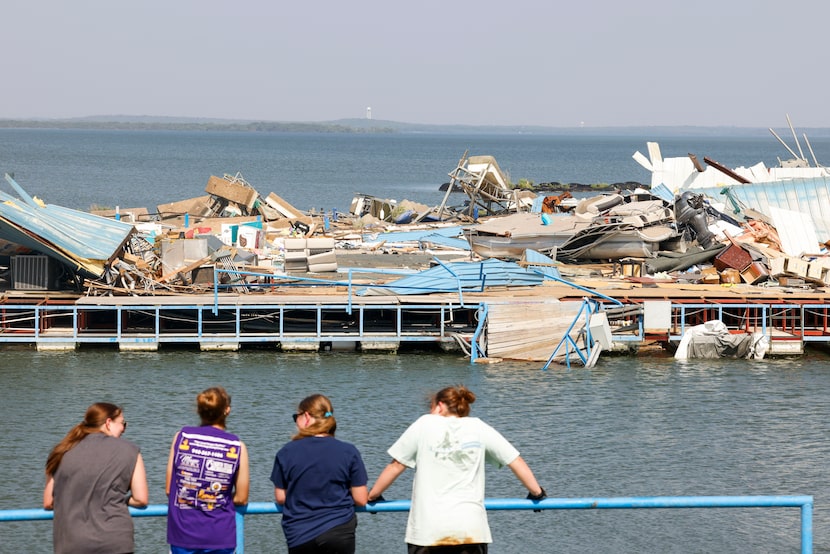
319 407
212 405
457 399
95 416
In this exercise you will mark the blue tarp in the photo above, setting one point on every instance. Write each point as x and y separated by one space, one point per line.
413 236
443 240
464 277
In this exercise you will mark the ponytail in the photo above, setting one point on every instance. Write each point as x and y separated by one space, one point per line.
457 399
96 416
319 407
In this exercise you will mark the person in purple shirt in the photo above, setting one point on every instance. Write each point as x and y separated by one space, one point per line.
207 476
318 480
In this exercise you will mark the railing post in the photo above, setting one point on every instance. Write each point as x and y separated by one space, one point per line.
807 528
240 530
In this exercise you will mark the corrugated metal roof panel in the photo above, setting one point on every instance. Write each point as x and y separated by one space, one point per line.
451 242
414 235
468 276
808 196
81 240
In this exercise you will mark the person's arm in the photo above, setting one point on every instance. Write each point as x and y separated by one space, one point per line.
170 459
386 478
140 494
48 496
243 479
522 471
279 496
360 495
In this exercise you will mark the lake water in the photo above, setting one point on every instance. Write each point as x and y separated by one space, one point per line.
648 426
79 169
627 427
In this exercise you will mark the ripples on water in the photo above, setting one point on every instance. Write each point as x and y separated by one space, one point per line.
628 427
78 169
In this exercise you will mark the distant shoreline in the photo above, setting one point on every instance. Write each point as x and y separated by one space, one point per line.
183 126
569 187
579 187
368 126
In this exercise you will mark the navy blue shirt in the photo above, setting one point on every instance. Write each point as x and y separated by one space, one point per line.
317 474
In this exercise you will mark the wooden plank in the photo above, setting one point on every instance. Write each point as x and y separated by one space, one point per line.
196 207
234 192
527 331
284 208
185 269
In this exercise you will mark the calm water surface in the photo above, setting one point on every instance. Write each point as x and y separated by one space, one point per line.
628 427
79 169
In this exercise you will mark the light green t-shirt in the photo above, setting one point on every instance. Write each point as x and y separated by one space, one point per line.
448 454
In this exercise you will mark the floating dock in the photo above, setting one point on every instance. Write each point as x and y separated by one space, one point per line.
522 323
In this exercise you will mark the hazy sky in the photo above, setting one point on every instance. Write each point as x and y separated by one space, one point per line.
483 62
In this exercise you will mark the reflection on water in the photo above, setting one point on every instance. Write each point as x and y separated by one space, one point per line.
628 427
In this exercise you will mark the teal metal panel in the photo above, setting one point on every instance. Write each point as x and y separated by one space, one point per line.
76 238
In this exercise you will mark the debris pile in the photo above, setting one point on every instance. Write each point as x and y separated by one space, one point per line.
246 242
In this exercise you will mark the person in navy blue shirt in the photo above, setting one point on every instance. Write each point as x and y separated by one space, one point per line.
318 480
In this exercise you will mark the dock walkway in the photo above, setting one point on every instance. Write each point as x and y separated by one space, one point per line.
522 323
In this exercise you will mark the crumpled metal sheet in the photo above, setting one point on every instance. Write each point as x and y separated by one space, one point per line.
82 241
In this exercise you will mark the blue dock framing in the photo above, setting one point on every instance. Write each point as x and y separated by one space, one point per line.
299 323
337 321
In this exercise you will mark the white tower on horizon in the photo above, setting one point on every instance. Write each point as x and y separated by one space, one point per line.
369 112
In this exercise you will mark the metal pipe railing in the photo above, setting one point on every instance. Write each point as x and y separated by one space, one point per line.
805 503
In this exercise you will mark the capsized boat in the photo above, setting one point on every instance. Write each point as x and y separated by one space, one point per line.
606 226
611 241
507 237
624 226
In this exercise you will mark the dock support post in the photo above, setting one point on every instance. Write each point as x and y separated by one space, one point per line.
138 346
380 347
299 346
219 346
59 346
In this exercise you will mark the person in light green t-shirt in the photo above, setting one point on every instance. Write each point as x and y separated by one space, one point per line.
448 450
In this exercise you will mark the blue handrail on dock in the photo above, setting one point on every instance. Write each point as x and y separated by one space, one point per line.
805 503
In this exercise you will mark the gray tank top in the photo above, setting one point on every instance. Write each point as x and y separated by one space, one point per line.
91 486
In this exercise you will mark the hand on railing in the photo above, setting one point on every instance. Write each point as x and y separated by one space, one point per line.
537 497
378 499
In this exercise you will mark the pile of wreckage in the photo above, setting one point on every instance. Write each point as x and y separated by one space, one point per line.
694 224
251 239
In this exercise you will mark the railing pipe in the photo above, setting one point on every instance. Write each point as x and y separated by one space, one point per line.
475 349
805 503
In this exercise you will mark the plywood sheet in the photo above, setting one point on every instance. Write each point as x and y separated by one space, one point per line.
527 331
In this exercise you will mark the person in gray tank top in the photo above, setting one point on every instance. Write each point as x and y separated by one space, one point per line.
92 476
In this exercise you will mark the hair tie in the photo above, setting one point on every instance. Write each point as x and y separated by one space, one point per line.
327 414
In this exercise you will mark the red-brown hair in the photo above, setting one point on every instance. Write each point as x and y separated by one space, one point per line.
212 405
457 399
96 415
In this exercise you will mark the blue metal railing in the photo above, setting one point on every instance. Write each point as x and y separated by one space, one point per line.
586 310
348 283
64 322
23 323
476 349
805 503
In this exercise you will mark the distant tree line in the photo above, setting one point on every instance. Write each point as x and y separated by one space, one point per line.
256 126
554 186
